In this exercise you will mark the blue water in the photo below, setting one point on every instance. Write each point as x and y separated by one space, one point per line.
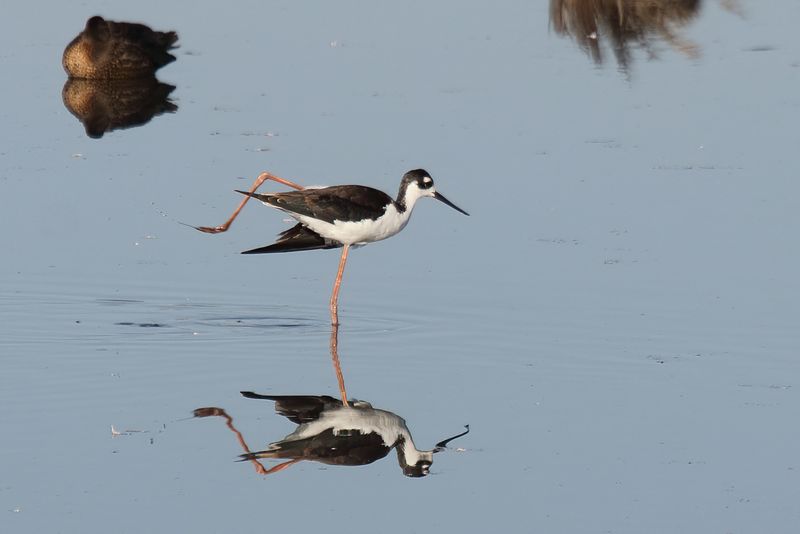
617 320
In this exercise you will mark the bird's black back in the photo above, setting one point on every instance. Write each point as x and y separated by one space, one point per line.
339 202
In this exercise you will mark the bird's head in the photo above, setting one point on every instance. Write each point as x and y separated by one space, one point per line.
417 184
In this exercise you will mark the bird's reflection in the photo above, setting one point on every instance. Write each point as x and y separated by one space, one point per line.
111 68
624 25
332 433
106 105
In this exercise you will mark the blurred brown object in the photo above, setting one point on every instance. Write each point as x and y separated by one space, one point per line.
624 24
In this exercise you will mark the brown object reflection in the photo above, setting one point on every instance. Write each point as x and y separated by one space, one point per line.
331 433
106 105
624 24
116 50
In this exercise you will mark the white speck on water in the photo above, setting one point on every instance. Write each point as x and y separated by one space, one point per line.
126 432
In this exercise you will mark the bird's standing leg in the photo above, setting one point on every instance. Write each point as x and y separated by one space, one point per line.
335 294
263 177
212 411
337 366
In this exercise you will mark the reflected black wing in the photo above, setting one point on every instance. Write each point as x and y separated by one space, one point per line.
348 447
299 408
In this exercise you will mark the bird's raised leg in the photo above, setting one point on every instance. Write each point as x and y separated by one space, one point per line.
219 412
263 177
337 367
335 294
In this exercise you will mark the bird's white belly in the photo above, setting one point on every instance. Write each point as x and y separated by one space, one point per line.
358 232
386 424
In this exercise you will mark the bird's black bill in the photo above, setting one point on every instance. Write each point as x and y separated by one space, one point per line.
440 197
443 444
256 196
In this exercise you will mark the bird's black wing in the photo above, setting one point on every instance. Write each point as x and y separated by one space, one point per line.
339 202
296 238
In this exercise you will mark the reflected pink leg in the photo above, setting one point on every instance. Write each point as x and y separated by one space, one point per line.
219 412
337 367
336 285
276 468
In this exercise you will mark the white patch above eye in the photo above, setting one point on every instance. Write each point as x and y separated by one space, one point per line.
427 180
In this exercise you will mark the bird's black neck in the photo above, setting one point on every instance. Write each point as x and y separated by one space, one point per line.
400 203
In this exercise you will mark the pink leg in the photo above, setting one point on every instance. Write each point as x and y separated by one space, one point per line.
263 177
335 295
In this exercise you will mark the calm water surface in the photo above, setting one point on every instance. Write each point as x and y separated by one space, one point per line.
617 320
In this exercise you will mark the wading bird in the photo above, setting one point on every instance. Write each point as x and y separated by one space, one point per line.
339 216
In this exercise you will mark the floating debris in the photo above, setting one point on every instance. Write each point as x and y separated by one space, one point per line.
127 432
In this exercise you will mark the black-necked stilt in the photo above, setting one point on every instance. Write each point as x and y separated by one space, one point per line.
331 433
115 50
339 216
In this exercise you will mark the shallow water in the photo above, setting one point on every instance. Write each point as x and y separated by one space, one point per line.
617 320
